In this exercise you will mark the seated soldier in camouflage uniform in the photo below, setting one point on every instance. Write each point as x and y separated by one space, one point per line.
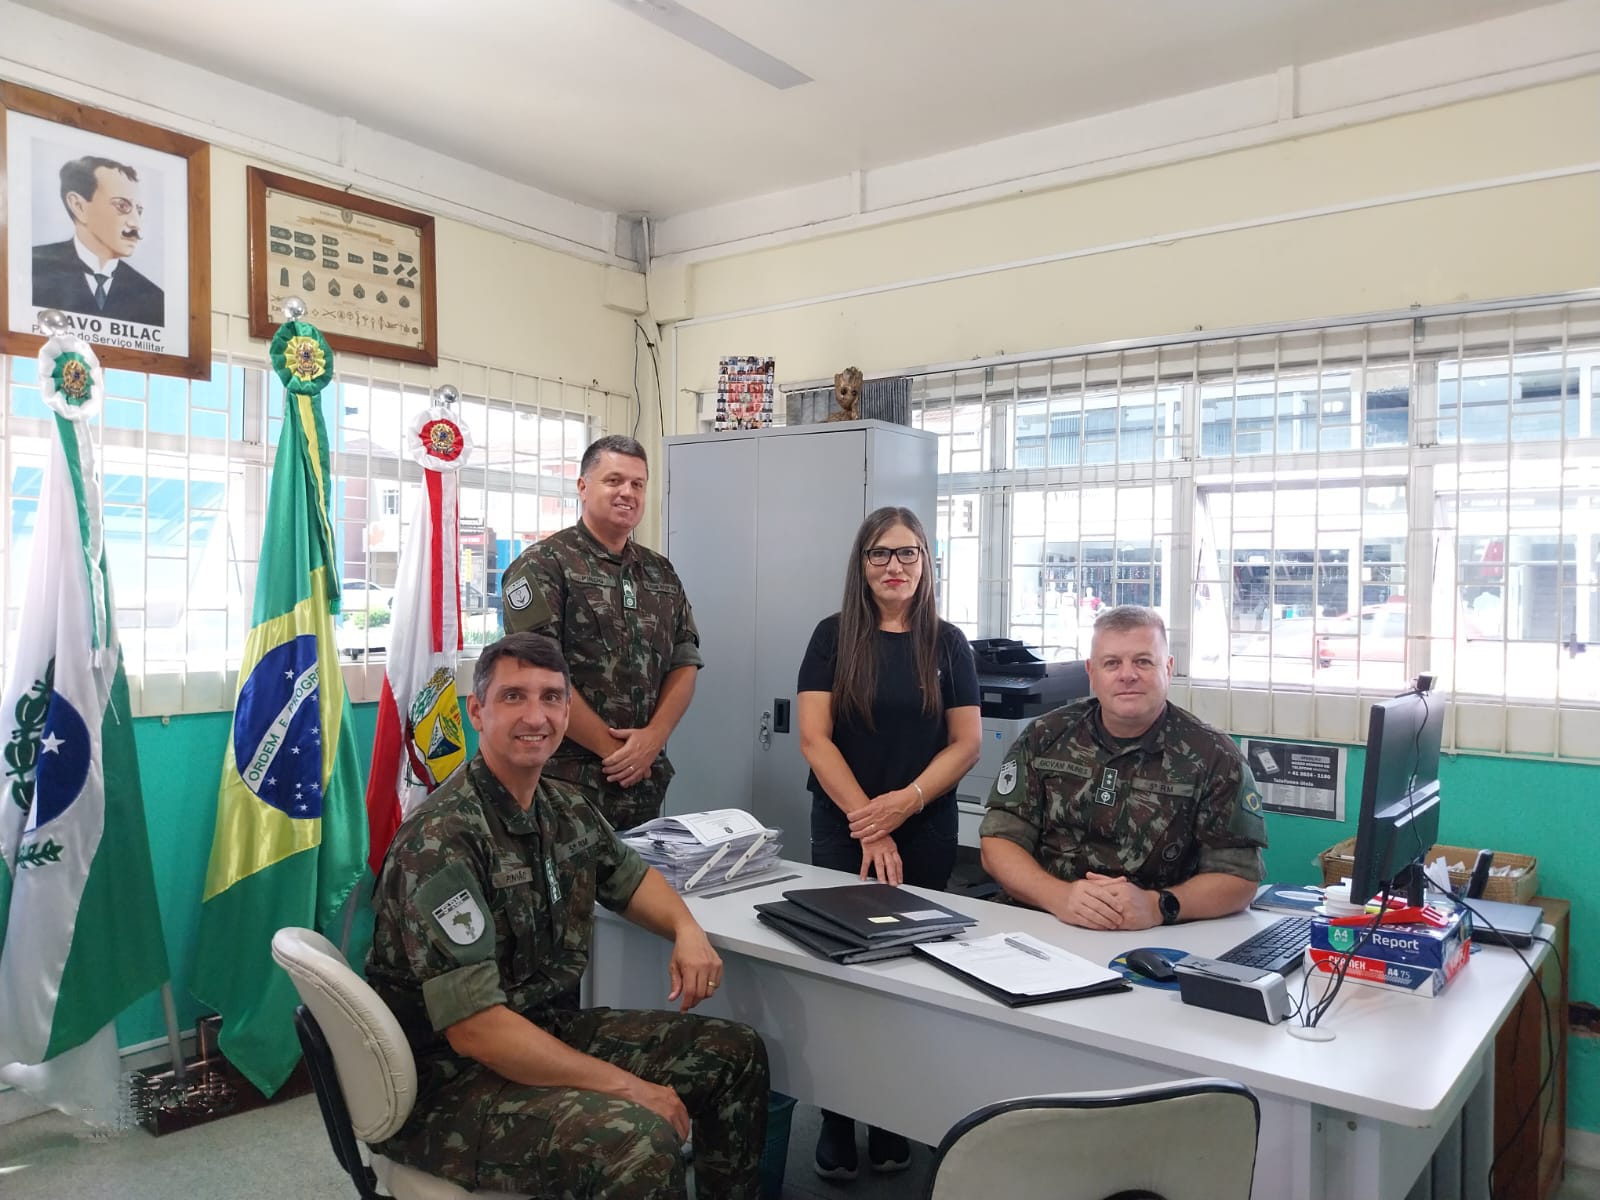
484 909
1123 811
624 623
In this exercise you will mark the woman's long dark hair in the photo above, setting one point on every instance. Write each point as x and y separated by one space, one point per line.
855 673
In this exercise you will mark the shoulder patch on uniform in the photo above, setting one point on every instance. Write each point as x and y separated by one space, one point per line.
1252 801
1007 779
461 919
520 595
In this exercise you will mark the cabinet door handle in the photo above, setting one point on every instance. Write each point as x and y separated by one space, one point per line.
766 730
780 716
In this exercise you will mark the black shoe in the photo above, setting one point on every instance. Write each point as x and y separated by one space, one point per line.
887 1152
836 1150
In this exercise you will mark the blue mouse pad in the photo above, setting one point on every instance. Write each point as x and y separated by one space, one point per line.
1120 963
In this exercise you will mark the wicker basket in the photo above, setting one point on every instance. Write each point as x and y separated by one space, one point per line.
1339 860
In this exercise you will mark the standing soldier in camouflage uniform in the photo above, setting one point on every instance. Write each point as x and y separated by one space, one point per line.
484 909
624 623
1123 811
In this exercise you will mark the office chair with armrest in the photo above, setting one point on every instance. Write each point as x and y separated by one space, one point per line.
361 1068
1194 1139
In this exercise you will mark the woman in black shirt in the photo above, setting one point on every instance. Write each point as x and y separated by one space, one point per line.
888 708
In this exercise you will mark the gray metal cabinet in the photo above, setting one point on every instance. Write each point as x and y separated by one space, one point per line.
758 525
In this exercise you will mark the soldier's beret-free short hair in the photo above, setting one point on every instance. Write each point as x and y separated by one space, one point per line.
530 649
614 443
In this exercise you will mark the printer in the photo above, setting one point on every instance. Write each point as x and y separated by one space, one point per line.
1014 687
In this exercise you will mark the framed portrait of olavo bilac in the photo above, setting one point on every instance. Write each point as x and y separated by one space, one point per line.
108 220
364 268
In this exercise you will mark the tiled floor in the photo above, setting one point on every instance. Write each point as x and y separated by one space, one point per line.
1580 1184
801 1182
48 1157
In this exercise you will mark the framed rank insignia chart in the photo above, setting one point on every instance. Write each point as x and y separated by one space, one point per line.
364 268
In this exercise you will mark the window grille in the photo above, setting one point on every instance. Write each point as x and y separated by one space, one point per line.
1323 511
185 468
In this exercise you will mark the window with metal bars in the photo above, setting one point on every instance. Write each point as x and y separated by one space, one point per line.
1330 508
185 467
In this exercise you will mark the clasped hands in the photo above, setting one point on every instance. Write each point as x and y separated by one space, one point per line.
637 752
871 825
1107 902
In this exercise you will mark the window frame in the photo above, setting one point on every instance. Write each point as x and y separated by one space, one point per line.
1557 336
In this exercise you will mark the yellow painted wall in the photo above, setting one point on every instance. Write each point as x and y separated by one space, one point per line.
1483 243
502 302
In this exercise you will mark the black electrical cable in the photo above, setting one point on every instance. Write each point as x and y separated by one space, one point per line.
1341 968
638 403
1549 1041
1338 970
655 362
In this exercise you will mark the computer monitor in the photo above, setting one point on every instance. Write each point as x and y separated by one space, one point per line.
1399 819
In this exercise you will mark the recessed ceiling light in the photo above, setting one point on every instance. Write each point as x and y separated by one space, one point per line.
716 41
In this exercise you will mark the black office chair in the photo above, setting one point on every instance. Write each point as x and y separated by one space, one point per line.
1190 1140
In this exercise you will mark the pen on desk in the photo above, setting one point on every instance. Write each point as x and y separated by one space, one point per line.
1015 944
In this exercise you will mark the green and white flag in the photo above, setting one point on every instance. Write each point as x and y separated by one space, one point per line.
80 933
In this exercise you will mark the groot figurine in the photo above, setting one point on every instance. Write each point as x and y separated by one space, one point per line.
847 391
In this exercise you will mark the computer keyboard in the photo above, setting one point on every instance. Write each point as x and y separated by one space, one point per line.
1279 947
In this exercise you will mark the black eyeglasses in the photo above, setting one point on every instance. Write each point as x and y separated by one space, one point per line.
879 556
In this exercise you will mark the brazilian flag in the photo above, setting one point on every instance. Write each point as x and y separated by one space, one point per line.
291 836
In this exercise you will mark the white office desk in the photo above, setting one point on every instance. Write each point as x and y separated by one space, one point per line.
907 1046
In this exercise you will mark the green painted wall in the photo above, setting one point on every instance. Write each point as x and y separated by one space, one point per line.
1539 808
180 763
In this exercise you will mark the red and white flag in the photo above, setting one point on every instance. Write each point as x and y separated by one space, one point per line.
420 742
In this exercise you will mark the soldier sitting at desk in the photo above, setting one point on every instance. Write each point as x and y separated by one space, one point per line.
1123 811
484 914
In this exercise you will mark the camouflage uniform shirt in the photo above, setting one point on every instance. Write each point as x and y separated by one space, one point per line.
481 903
624 623
1176 802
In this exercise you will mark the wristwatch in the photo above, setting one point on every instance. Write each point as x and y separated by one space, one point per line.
1170 907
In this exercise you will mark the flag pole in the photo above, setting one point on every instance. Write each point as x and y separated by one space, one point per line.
169 1009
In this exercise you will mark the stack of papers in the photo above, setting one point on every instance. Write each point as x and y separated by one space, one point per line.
698 850
860 922
1018 969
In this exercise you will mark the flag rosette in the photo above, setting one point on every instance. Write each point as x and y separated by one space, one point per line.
302 358
439 441
69 377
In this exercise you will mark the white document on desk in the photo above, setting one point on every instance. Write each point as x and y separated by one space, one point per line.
705 828
1001 961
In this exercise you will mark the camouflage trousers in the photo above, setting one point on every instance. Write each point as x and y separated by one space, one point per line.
485 1132
624 807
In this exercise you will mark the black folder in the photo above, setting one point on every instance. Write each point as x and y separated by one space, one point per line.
825 945
791 913
875 912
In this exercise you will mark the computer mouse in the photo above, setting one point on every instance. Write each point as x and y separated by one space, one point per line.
1151 965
